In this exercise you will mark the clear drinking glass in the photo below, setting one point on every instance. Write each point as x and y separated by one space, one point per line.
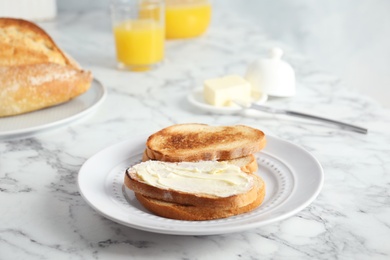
139 32
186 18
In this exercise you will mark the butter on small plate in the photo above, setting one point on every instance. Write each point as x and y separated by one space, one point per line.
217 94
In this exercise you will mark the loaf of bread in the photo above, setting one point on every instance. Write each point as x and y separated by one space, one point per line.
34 72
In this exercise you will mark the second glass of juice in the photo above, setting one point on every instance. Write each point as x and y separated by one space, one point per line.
186 18
139 33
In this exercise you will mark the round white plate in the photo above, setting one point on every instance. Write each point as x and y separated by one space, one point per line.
196 99
292 175
37 121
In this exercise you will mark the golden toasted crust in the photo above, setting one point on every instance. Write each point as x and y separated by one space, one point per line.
201 142
31 87
132 182
198 213
247 163
145 156
34 72
23 42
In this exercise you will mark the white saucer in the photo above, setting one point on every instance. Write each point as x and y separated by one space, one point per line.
196 99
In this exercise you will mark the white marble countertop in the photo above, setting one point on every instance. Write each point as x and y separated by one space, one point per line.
43 216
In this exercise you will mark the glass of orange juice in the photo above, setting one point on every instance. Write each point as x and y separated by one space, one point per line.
186 18
139 32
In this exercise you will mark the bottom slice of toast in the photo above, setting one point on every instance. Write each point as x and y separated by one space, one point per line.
198 213
195 190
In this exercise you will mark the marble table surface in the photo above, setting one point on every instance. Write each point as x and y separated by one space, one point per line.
43 216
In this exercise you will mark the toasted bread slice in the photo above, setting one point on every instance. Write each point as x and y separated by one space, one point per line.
197 213
34 72
247 163
223 189
201 142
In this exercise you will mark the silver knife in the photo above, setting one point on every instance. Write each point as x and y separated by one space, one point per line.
302 115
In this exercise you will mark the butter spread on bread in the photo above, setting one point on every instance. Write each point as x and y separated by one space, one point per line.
173 190
220 179
34 72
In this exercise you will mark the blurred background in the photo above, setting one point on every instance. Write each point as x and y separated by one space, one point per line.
347 38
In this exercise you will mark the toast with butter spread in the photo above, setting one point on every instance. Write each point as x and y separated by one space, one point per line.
34 72
199 172
201 142
194 190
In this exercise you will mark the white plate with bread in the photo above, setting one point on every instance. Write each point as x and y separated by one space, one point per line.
293 179
40 85
55 116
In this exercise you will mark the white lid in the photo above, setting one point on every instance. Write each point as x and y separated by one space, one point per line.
272 76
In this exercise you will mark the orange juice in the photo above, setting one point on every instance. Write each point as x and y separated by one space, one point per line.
186 19
139 43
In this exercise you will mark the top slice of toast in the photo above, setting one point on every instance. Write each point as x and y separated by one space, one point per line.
24 43
197 142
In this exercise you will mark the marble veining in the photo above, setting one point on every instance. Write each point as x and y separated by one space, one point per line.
43 216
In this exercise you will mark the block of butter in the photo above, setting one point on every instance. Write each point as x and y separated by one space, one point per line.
221 91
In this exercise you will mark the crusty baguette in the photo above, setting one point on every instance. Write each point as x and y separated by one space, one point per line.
247 163
23 43
198 213
31 87
34 72
201 142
